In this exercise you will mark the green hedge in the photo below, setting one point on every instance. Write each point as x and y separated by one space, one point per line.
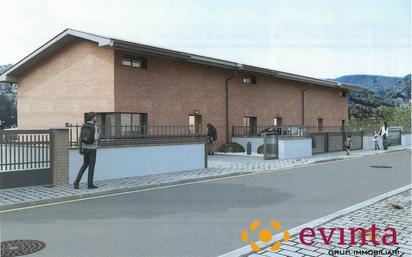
232 148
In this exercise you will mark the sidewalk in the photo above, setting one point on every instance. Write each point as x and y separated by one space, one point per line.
378 211
219 166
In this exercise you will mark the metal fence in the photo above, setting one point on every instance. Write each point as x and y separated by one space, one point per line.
24 149
137 135
258 131
287 130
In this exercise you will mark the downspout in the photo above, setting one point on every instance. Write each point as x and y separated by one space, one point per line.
303 103
227 105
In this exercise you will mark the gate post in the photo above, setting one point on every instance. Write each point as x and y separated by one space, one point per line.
59 155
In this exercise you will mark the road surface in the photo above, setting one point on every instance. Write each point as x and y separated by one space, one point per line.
203 219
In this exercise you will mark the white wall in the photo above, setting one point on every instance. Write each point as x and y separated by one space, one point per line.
255 141
134 161
369 144
294 148
406 139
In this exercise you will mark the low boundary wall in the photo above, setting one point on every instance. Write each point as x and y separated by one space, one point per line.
406 139
295 147
131 161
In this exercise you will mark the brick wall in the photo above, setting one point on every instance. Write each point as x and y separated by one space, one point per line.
82 77
169 90
76 79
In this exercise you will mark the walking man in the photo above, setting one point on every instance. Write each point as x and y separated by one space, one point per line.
88 139
211 137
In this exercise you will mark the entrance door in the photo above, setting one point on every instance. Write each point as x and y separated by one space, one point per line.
195 124
251 124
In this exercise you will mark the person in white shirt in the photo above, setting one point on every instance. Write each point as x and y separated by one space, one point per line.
384 133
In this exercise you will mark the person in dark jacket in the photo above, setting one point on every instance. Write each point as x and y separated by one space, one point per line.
89 153
211 137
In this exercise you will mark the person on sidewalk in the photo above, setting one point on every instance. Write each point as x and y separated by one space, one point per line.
348 144
384 133
376 140
211 138
89 135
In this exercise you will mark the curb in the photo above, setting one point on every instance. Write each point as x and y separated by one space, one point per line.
11 207
245 251
356 157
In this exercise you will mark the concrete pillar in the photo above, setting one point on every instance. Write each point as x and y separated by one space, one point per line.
59 155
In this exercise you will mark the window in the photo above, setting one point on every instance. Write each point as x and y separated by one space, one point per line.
250 79
342 123
251 124
136 62
126 62
277 121
122 124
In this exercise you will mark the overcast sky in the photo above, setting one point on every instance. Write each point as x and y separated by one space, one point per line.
320 38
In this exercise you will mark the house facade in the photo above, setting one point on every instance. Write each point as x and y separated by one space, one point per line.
132 84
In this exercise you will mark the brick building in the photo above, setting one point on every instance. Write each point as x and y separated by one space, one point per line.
133 84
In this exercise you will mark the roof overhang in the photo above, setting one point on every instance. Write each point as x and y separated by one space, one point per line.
69 35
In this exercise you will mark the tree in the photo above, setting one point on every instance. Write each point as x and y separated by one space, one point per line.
8 110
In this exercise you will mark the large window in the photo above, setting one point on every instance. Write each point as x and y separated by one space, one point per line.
122 124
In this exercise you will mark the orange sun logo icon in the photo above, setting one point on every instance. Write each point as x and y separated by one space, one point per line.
265 235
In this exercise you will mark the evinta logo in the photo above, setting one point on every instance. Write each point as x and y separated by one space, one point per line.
308 236
358 235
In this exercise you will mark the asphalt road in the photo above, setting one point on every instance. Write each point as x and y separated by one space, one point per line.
203 219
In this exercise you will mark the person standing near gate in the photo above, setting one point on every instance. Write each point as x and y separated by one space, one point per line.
211 137
384 133
348 144
376 140
88 140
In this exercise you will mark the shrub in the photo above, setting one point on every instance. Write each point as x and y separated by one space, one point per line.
260 149
232 148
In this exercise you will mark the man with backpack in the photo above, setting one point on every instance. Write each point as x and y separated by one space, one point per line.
211 137
88 139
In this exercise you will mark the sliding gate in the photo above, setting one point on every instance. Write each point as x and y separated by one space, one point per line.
24 158
325 142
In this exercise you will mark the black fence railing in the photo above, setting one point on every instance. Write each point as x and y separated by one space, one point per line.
24 149
138 135
289 130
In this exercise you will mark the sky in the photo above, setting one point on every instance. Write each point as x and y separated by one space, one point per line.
318 38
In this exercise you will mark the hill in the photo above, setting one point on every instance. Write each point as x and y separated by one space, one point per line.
383 86
377 91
